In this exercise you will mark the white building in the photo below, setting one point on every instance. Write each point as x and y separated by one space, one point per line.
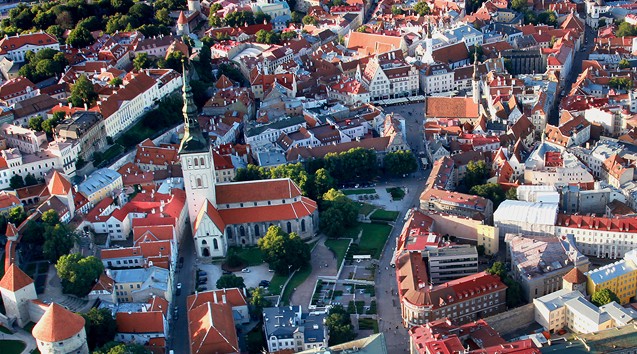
436 78
273 8
388 76
16 47
289 328
520 217
570 309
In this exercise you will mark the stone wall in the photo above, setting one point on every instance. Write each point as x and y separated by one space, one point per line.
512 320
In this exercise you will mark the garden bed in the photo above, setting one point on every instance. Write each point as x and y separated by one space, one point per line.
384 215
359 191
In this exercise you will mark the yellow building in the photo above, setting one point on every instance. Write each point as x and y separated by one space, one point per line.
619 277
489 237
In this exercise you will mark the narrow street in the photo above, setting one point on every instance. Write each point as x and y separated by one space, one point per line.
178 339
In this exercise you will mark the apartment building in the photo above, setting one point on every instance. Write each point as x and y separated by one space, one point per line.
619 277
16 47
141 284
455 203
288 328
451 262
100 184
570 309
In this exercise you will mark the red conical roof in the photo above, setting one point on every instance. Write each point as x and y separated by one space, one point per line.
182 20
15 279
57 324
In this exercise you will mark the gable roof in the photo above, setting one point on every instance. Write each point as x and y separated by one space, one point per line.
452 53
452 107
575 276
213 214
140 322
59 185
15 279
8 44
252 191
211 329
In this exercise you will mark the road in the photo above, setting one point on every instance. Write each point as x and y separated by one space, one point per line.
576 69
178 340
414 115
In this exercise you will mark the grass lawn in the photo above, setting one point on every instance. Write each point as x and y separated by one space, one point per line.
339 247
250 256
373 239
359 191
297 279
4 330
135 134
352 232
29 327
12 346
384 215
276 283
368 323
365 208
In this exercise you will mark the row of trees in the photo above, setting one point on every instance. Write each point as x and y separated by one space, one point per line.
42 65
48 237
530 17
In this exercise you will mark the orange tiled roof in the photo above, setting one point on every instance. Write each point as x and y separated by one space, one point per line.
58 324
452 107
8 44
15 279
233 297
211 329
140 322
289 211
252 191
59 185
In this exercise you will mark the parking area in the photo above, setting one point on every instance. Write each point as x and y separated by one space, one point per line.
251 279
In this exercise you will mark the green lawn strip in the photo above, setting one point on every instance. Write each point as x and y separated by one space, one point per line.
250 256
384 215
358 191
373 239
339 247
297 279
275 284
368 323
4 330
365 208
352 232
12 346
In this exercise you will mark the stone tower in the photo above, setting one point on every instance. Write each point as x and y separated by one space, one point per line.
60 331
195 154
574 280
183 29
475 83
17 290
429 44
194 5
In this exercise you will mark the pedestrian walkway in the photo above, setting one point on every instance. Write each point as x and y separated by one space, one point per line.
321 256
53 293
22 336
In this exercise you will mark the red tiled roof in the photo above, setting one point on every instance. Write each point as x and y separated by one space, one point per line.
452 107
15 279
58 324
252 191
59 185
289 211
8 200
213 214
211 329
575 276
140 322
8 44
233 297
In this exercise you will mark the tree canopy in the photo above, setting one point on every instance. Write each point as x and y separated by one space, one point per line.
82 92
339 213
399 163
340 325
42 65
603 297
477 173
491 191
227 281
282 251
356 164
78 273
422 8
100 327
122 348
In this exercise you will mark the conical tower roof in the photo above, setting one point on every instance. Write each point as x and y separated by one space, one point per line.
194 139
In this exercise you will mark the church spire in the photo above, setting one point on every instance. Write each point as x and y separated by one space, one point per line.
475 65
193 140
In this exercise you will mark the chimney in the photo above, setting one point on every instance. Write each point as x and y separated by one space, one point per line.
215 295
223 298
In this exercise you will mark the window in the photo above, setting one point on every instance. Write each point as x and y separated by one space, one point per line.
198 181
257 232
289 226
303 225
242 231
215 243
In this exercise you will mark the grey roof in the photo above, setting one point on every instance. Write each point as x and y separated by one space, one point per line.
279 124
281 322
98 180
154 277
374 344
314 327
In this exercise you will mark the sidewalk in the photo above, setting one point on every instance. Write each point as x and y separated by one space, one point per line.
22 336
321 255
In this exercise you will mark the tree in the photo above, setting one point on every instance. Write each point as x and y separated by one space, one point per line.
227 281
476 173
258 302
498 269
215 21
239 18
481 250
17 215
491 191
548 18
519 5
399 163
340 326
624 64
332 222
30 180
35 123
100 327
267 37
283 252
356 164
620 83
50 217
78 273
121 348
215 7
514 292
287 36
309 20
626 30
603 297
115 82
260 17
82 92
511 194
250 173
335 199
321 183
174 61
422 8
58 241
80 37
16 182
296 17
396 10
141 61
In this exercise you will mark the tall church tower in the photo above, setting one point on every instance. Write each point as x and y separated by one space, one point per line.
429 46
195 154
476 80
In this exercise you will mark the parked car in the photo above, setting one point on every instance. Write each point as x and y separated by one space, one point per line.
201 272
226 272
264 283
178 285
203 280
245 270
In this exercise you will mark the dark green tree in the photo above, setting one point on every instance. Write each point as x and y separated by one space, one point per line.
50 218
58 241
250 173
100 327
422 8
477 173
511 194
239 18
620 83
174 61
116 81
498 269
332 222
83 92
227 281
340 325
309 20
626 30
258 302
30 180
35 123
80 37
17 215
400 163
78 273
16 182
548 18
282 251
519 5
603 297
121 348
141 61
396 10
624 64
491 191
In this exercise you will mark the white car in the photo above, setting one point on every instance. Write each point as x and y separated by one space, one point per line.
245 270
178 285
